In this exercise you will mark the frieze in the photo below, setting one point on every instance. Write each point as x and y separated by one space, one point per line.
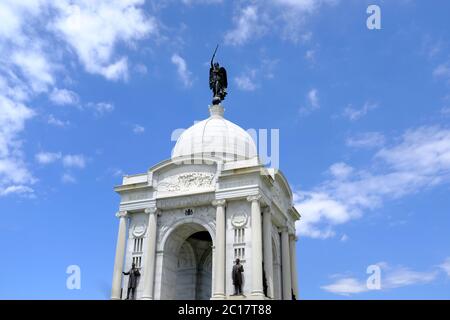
187 181
133 196
185 201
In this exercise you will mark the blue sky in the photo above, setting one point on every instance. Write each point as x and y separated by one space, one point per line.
92 90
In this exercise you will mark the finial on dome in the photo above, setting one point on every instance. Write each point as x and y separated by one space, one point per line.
216 110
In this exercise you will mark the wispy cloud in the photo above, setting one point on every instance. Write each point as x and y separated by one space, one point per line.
182 70
87 32
420 160
63 97
445 266
366 140
312 102
442 70
138 129
391 277
94 29
247 26
246 81
100 108
354 114
68 178
282 17
74 161
47 157
68 160
52 120
14 174
251 79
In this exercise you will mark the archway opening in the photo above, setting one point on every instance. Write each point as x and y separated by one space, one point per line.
187 264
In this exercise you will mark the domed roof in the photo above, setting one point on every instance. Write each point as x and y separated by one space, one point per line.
216 136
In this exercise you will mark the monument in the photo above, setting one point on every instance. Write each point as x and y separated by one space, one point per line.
185 221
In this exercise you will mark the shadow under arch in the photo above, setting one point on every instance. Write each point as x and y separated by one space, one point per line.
186 272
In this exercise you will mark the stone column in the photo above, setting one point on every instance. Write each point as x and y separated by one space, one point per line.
149 267
219 261
286 265
120 254
257 273
293 266
267 244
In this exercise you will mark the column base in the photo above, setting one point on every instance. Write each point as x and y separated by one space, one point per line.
257 295
218 296
146 298
115 298
249 297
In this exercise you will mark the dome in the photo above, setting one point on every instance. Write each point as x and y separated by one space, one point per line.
216 136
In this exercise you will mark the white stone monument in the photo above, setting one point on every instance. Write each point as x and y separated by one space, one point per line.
185 221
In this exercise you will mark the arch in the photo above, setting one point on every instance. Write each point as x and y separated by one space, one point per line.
202 223
276 265
186 256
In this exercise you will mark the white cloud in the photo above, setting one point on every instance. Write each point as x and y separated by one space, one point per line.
442 70
247 25
420 160
310 55
94 29
246 81
424 151
68 178
193 2
366 140
250 78
286 17
35 67
445 266
57 122
74 160
391 278
402 277
141 68
313 98
63 97
445 111
182 70
138 129
13 171
346 286
32 61
16 189
100 108
355 114
312 102
47 157
341 170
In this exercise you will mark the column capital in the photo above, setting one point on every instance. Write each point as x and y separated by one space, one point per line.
255 197
284 229
151 210
219 203
121 214
293 237
267 209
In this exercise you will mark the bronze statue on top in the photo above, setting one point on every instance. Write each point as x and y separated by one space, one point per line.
218 81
